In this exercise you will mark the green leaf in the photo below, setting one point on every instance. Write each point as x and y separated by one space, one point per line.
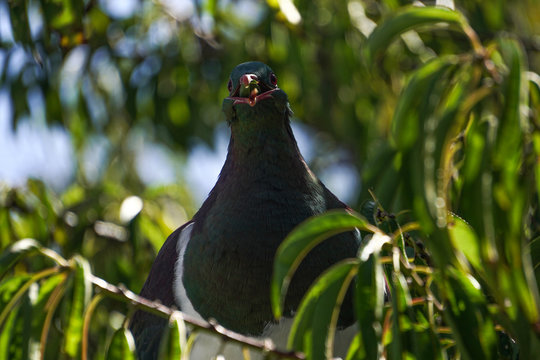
42 309
425 342
406 124
315 323
173 342
8 333
81 296
533 249
401 323
406 19
122 346
355 350
12 322
536 145
9 287
468 316
21 290
18 347
15 252
465 240
369 302
300 241
509 194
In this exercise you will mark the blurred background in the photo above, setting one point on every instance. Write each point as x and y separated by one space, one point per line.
111 131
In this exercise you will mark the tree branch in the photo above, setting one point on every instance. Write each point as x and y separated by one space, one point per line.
156 308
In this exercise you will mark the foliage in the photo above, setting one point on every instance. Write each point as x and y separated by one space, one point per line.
439 107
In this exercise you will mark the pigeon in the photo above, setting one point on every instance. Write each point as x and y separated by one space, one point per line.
219 265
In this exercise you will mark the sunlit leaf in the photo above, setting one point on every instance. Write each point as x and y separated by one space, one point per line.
122 346
7 334
465 240
355 350
42 310
173 342
81 296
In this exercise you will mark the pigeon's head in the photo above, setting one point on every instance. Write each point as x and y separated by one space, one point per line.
253 90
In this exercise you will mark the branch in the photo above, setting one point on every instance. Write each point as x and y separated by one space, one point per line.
156 308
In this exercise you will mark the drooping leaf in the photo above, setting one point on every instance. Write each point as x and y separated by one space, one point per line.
408 18
15 252
468 316
509 194
355 350
42 310
406 124
369 301
122 346
465 240
425 342
315 323
8 333
9 287
300 241
81 296
173 342
534 252
15 294
401 322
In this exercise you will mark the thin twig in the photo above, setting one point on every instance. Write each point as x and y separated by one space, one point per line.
156 308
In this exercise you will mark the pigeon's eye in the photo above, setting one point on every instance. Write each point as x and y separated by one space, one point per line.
229 85
273 79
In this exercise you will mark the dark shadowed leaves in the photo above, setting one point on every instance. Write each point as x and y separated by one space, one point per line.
315 323
299 242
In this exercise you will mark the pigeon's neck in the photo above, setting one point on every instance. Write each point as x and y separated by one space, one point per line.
261 153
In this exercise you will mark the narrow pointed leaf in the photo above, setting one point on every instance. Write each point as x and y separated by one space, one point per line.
369 301
15 252
407 19
122 346
401 302
9 287
173 342
465 240
40 316
81 297
315 323
8 332
468 316
425 342
406 124
300 241
355 349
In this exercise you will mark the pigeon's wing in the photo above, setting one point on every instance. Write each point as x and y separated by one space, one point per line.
146 328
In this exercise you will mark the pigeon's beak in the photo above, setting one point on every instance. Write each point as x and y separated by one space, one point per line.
249 87
249 91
